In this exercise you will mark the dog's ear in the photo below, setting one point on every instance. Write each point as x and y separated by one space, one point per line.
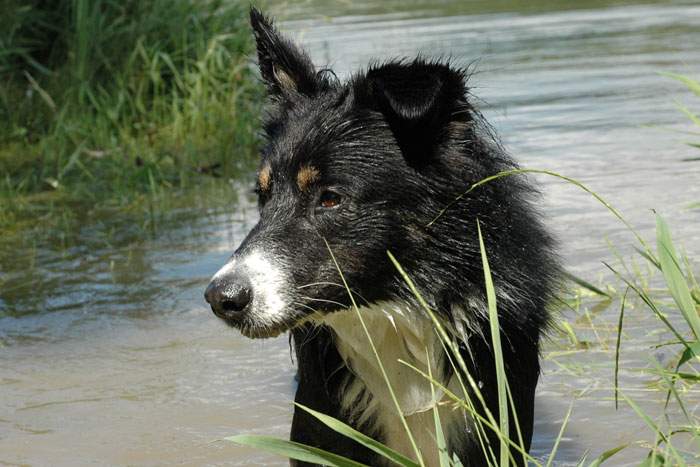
284 67
418 100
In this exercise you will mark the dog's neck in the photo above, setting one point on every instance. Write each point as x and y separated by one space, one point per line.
399 334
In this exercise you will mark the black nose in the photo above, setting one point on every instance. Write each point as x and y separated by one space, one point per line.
229 297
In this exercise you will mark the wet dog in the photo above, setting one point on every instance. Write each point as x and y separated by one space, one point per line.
359 168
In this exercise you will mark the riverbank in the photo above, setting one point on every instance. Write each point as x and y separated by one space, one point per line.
113 102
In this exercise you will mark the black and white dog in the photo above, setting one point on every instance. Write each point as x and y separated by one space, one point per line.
361 168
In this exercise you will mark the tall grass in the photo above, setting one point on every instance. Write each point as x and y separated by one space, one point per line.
107 100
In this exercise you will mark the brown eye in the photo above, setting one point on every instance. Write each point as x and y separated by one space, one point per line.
329 199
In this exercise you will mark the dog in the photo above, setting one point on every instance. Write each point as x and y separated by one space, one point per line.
381 163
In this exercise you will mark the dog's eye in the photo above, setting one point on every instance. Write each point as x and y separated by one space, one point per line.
329 199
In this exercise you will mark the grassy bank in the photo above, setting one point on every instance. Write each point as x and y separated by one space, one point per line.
108 101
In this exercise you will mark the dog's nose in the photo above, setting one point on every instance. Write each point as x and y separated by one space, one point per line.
229 296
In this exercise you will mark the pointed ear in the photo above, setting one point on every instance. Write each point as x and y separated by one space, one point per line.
418 100
284 67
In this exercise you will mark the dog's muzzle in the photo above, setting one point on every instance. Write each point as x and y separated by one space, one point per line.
248 293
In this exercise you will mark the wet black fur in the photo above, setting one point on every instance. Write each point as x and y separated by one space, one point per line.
399 142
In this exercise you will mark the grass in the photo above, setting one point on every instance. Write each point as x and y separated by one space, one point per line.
657 285
109 102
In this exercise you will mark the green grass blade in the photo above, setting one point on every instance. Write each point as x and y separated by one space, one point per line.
508 173
606 455
350 432
675 280
449 343
691 84
294 450
518 431
654 459
553 453
585 284
693 350
497 351
649 258
379 360
617 347
670 381
466 401
569 330
692 377
455 462
482 421
650 303
655 428
45 96
688 113
443 455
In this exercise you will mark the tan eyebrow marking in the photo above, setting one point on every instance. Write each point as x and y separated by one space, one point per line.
306 176
264 178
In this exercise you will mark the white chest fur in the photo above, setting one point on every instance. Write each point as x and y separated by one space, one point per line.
399 334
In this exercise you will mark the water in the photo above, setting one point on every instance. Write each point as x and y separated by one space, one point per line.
108 354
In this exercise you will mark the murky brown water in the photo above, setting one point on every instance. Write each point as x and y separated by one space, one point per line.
108 354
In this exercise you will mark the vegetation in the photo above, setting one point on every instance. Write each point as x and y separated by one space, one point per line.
107 101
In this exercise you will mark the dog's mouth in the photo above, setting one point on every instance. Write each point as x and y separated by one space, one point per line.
253 326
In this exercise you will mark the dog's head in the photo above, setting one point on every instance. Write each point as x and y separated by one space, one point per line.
354 168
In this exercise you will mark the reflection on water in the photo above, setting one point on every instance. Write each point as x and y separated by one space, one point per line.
108 354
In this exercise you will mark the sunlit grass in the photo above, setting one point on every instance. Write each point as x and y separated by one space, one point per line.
106 101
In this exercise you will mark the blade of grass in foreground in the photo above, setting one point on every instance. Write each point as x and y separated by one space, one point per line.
606 455
350 432
444 456
675 280
479 419
690 83
379 360
508 173
617 347
651 304
585 284
553 452
655 428
668 378
497 351
693 350
514 412
294 450
460 368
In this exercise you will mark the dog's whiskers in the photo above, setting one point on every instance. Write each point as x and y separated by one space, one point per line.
323 300
320 283
303 305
